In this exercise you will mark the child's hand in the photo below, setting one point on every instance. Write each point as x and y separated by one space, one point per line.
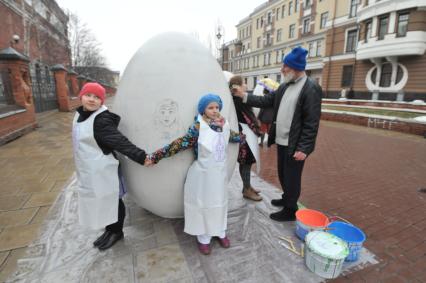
148 162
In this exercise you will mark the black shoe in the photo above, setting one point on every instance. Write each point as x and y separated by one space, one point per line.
111 240
283 215
277 202
101 238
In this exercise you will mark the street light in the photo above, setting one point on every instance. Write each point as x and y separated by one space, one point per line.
221 34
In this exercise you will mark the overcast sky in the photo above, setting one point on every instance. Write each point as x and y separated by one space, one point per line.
123 26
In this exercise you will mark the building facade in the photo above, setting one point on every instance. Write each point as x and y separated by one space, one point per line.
361 49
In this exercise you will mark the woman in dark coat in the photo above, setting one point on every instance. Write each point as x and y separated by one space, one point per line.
246 159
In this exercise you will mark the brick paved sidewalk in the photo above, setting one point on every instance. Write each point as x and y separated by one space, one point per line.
33 171
371 178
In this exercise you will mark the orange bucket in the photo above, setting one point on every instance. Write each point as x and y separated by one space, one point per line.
308 220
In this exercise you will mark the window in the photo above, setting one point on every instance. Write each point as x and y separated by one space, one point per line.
385 77
248 47
261 22
245 81
324 17
257 24
402 24
269 18
290 7
278 78
319 45
277 56
268 39
383 27
308 4
296 5
277 14
399 75
311 52
367 31
354 8
254 82
279 35
258 42
347 76
306 25
291 31
282 11
351 40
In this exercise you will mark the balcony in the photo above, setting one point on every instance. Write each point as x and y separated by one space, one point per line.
414 43
376 8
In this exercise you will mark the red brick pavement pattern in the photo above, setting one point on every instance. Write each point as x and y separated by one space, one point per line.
371 178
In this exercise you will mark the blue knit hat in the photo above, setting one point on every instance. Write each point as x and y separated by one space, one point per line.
206 100
296 59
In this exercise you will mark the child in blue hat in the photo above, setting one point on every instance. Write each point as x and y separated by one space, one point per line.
205 196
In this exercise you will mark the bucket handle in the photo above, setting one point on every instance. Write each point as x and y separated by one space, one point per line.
335 218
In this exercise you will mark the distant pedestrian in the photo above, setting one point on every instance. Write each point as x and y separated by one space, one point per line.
297 111
266 115
100 182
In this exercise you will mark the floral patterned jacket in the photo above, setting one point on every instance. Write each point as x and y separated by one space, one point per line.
190 140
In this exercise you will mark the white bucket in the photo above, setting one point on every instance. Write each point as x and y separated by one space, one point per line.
325 254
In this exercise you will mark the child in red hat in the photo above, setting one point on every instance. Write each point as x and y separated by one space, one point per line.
100 183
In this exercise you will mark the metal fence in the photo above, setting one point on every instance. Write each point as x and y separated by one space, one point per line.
43 87
6 94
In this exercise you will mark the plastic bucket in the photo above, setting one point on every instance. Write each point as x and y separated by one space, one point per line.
325 254
351 234
308 220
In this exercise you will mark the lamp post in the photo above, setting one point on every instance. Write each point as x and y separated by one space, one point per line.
221 34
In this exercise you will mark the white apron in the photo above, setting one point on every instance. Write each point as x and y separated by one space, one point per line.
97 176
251 140
205 194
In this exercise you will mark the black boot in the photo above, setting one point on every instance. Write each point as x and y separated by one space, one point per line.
277 202
111 240
284 215
101 238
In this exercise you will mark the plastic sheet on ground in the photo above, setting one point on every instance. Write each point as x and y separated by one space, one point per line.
156 249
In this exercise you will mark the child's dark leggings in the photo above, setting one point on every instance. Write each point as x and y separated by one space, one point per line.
117 227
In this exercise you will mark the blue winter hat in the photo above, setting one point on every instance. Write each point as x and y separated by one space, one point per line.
206 100
296 59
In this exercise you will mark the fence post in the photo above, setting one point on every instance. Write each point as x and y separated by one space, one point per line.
20 101
62 92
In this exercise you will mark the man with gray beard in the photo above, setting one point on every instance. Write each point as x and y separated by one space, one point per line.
297 111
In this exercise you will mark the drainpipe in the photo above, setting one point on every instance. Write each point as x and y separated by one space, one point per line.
354 68
332 46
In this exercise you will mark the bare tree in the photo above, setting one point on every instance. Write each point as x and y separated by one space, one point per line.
85 48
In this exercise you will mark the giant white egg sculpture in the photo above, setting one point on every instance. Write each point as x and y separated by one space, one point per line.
157 100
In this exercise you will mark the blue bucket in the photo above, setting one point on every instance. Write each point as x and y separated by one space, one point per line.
349 233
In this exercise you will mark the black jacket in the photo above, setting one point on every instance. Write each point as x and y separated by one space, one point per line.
109 138
305 123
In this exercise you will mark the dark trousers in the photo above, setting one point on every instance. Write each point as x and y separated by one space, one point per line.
290 175
117 227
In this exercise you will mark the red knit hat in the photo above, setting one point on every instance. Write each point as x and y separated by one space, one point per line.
93 88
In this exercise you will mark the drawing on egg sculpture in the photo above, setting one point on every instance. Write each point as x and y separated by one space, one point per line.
157 100
166 120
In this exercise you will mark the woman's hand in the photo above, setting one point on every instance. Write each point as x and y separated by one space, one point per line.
238 91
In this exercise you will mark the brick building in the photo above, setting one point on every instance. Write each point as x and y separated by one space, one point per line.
369 49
